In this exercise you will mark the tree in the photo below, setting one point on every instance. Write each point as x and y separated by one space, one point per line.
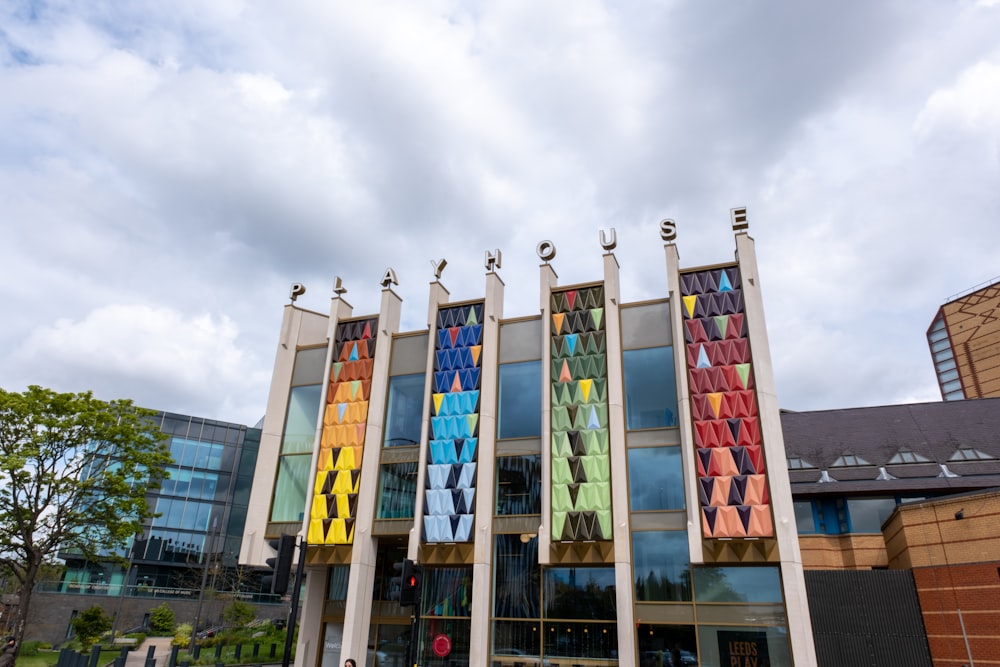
239 613
161 620
74 472
90 624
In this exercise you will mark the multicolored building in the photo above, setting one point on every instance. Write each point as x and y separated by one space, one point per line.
597 483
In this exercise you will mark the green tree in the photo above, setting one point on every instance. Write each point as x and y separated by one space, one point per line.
90 624
239 613
161 620
74 472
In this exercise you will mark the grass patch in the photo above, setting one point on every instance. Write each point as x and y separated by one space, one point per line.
50 658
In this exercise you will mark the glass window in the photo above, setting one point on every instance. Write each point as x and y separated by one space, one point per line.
598 642
520 341
580 593
804 520
666 645
337 585
300 421
655 479
756 584
728 645
662 566
290 488
310 366
409 354
397 490
867 514
519 405
517 642
446 591
650 388
647 325
519 485
516 577
405 411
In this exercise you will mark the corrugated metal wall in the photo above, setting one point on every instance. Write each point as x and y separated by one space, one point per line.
866 618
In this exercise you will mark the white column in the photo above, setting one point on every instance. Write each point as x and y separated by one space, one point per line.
619 461
547 281
357 620
482 570
688 463
800 633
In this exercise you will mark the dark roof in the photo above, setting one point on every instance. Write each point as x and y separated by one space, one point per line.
933 431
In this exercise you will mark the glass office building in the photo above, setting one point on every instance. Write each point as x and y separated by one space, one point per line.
589 485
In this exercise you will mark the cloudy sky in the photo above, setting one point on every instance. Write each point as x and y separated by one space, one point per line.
168 169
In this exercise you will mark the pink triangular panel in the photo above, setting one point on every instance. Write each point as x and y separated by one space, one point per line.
571 298
695 332
760 522
722 463
720 492
707 434
709 516
735 328
756 455
739 351
723 433
718 379
704 458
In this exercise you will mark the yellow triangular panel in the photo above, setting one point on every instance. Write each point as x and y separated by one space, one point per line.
689 304
437 403
715 399
557 321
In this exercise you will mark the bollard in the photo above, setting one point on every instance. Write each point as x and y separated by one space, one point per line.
238 652
256 649
95 656
151 657
172 660
197 651
63 658
274 649
218 652
119 661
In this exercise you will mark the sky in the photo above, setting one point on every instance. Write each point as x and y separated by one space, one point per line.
168 170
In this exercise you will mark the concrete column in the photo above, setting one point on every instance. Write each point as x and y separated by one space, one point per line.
363 554
800 634
438 296
482 567
310 640
548 280
298 327
688 463
619 462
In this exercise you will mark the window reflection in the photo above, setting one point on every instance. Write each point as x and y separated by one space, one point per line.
650 388
580 593
517 577
300 422
662 566
397 490
519 485
737 584
667 645
404 413
519 405
655 479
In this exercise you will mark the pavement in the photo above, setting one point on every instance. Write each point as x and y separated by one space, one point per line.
137 658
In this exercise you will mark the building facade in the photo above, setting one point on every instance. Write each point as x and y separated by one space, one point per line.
589 485
964 339
192 543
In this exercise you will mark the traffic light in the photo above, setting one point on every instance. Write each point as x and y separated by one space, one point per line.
406 587
281 565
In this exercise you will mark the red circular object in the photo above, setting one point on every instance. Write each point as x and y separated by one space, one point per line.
441 646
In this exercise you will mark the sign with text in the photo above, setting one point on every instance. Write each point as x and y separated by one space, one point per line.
743 648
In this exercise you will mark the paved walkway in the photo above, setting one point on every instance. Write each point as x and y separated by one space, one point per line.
137 658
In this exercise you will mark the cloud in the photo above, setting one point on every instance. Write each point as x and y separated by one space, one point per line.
154 355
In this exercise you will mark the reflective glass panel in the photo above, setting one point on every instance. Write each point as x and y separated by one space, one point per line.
520 341
516 577
647 325
446 591
519 485
300 422
580 593
867 514
598 642
310 366
650 388
397 490
516 642
661 565
337 585
804 520
520 400
290 488
737 584
655 479
733 645
405 410
666 645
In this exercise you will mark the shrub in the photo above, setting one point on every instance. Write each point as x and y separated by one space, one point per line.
182 635
161 620
90 624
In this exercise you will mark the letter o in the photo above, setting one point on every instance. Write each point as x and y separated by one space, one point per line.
546 250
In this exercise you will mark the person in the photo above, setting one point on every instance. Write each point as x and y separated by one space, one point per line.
7 655
347 663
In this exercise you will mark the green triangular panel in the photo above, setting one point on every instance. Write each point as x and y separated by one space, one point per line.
560 445
598 316
561 473
743 370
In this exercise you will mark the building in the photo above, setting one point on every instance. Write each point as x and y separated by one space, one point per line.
897 510
192 544
964 338
584 486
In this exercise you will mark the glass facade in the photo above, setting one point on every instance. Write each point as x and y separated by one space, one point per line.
519 409
519 485
397 491
655 479
661 565
404 412
650 388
